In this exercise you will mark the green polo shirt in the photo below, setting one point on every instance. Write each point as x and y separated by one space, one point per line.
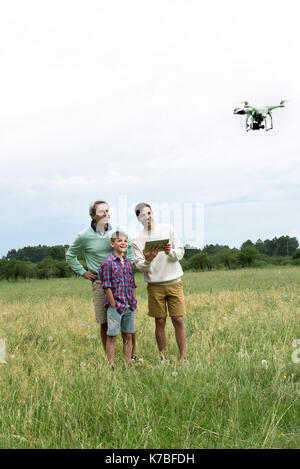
95 248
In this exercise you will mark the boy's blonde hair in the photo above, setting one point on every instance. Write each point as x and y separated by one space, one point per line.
118 234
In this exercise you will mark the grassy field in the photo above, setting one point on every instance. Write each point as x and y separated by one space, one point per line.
240 389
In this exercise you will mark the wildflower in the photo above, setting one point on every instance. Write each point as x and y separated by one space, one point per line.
174 374
242 353
64 351
19 437
142 362
50 338
265 364
12 356
184 361
165 361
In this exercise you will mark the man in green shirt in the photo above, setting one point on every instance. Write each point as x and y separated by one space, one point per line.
93 243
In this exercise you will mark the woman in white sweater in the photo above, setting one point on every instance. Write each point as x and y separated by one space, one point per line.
162 272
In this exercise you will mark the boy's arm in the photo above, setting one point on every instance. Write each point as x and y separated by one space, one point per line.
105 276
110 297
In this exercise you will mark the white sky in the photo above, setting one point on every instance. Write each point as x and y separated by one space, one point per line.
102 99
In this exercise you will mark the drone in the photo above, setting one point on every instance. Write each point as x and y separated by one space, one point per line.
257 118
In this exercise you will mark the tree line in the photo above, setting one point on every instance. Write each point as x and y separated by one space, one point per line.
41 262
37 253
45 262
278 251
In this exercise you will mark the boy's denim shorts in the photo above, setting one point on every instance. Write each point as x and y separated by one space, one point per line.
117 321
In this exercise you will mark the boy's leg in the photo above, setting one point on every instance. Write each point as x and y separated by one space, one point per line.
127 347
133 349
180 335
160 335
113 329
110 349
128 330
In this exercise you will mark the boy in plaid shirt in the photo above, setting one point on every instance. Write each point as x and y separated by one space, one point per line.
117 279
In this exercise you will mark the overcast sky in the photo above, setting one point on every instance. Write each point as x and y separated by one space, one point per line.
135 99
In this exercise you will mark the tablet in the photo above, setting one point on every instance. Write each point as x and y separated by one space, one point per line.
158 242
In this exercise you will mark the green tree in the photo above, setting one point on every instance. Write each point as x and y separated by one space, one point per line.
286 246
214 249
296 254
260 246
247 244
58 253
37 253
11 270
12 254
190 252
47 268
247 255
63 269
202 261
229 258
3 268
270 246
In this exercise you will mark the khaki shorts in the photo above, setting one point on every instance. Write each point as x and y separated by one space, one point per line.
159 296
98 299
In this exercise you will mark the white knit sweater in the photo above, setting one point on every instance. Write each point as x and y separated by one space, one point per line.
163 268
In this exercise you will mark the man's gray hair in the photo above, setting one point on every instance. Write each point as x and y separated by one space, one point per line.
92 209
139 207
118 234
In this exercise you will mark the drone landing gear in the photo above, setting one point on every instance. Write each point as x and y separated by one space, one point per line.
248 126
271 122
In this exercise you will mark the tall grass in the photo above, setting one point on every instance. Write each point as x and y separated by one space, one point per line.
57 391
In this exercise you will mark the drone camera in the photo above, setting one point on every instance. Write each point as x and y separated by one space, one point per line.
257 126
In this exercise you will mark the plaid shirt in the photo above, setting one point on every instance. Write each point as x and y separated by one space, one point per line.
120 278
